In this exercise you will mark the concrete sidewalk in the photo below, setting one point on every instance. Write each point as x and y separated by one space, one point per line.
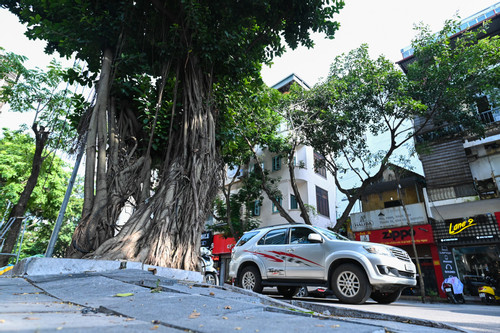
137 300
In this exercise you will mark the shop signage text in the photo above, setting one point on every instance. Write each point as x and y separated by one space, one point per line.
447 263
389 234
398 236
459 227
393 217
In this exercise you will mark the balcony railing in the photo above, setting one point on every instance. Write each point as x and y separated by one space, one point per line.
490 116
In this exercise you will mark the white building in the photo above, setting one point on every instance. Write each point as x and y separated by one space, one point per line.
316 185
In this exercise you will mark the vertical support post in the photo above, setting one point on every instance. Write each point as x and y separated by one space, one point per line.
222 273
57 227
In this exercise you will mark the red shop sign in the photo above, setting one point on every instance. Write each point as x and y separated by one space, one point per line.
398 236
223 245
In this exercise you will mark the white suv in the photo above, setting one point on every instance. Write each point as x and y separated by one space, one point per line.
299 255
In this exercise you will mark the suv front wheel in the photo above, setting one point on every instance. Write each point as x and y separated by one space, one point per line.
250 279
350 284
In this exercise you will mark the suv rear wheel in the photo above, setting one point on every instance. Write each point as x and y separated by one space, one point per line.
350 284
287 292
250 279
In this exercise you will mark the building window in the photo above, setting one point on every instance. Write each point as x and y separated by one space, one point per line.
293 202
322 202
276 163
256 208
319 164
275 209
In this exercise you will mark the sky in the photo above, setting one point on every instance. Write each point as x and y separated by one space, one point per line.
386 26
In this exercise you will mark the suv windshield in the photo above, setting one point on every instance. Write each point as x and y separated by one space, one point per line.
246 237
330 234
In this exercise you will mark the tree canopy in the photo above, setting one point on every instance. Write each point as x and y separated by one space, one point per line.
180 49
365 98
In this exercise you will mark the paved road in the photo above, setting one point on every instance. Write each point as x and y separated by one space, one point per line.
472 317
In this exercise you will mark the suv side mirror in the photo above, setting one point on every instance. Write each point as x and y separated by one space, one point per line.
314 238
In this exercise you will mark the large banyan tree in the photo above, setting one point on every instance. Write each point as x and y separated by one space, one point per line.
156 66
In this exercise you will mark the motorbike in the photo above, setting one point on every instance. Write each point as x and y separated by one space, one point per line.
210 274
453 289
488 292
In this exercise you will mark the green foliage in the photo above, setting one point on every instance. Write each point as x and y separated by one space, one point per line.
16 154
240 217
249 115
449 74
364 97
43 93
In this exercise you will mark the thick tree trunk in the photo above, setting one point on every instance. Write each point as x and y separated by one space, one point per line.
166 231
19 210
94 227
291 170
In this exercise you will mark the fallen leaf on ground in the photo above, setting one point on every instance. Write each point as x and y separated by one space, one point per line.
225 318
129 319
194 315
318 325
155 327
2 321
124 295
31 318
212 293
334 326
238 328
227 307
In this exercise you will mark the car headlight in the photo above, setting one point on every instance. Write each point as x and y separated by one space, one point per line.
378 250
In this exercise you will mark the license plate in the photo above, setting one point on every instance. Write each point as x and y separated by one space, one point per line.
448 290
482 295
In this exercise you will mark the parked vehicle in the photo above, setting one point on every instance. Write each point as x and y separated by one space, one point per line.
453 289
488 292
291 256
210 273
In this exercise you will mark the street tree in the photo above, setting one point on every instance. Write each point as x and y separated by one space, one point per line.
45 95
255 128
17 149
366 98
184 47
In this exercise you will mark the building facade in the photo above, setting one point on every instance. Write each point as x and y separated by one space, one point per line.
316 185
393 209
463 185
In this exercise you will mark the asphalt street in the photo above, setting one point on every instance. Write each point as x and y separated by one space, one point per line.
469 317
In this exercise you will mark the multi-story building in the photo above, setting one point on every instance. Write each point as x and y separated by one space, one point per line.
463 184
315 184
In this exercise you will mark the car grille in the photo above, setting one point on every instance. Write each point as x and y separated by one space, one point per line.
406 274
400 254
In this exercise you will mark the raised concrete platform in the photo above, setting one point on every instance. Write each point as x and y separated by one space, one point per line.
50 266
